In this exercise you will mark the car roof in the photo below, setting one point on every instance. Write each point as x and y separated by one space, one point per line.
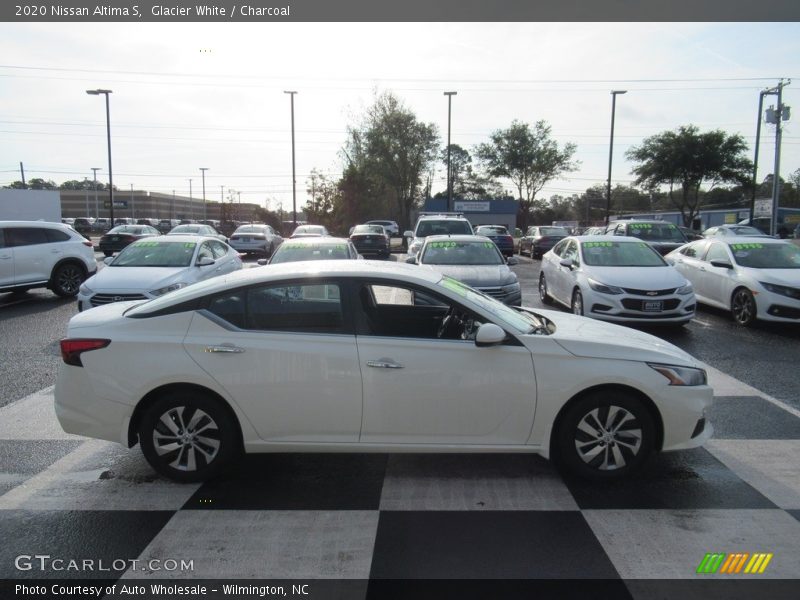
50 224
276 272
653 221
316 241
457 238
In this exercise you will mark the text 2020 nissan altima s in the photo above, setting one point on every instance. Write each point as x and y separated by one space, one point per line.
362 356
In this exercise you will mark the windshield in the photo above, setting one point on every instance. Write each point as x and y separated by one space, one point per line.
443 227
250 229
461 253
656 232
309 229
126 229
289 252
741 230
553 231
521 322
491 231
156 254
189 229
757 255
621 254
368 229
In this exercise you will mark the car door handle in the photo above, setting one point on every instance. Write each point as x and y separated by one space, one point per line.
225 349
384 363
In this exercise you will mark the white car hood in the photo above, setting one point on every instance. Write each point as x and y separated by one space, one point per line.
787 277
638 278
141 279
591 338
477 275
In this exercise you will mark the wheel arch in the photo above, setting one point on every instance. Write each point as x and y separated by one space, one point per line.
71 260
153 395
641 396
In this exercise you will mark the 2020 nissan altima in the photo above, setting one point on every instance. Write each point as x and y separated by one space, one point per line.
362 356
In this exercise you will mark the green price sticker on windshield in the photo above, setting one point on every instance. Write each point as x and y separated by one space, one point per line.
598 244
443 244
488 245
750 246
147 244
641 225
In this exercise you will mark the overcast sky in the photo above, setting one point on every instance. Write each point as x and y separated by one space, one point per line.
196 95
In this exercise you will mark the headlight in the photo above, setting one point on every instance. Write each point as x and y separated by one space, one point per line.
605 289
781 289
681 375
86 290
167 289
685 290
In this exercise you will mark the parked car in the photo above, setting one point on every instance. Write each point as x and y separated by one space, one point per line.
309 231
728 230
435 224
101 224
499 235
540 239
314 248
371 240
150 268
36 254
594 231
391 227
473 260
754 278
690 234
764 225
68 221
366 356
255 238
124 221
83 225
664 237
198 229
615 279
120 236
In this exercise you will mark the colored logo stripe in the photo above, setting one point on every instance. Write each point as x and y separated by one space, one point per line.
758 564
718 562
711 563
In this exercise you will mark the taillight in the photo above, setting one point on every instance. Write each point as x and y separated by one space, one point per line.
71 349
88 243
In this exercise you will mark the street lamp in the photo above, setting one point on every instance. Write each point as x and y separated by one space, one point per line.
611 149
108 136
96 210
449 181
203 171
294 183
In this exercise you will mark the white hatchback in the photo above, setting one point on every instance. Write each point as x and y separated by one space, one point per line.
364 356
615 278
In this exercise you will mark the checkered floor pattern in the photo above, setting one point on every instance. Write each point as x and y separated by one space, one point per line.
375 517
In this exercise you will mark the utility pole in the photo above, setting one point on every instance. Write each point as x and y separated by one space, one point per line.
755 158
96 209
203 171
614 94
780 114
294 182
191 204
133 205
449 178
22 175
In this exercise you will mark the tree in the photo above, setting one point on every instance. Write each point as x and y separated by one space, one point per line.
391 148
688 159
528 157
33 184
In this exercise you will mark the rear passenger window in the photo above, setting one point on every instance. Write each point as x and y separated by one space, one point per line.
25 236
54 235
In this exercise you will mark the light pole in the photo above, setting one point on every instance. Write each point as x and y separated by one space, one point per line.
133 205
294 183
191 203
94 176
755 158
611 150
108 136
449 180
203 171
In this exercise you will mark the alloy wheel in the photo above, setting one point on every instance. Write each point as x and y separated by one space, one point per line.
186 438
608 438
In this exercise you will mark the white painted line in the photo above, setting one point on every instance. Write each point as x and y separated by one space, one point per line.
725 385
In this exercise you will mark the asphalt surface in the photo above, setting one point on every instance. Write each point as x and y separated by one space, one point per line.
765 356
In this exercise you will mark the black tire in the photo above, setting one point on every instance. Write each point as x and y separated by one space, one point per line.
210 452
577 303
743 307
543 295
66 279
108 253
622 439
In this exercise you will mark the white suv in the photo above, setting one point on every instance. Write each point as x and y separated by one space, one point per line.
391 227
35 254
436 224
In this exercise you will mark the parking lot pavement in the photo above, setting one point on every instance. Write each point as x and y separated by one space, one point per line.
379 517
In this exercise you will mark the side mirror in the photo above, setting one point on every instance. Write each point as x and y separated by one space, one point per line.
205 261
722 264
566 262
108 260
408 234
489 334
512 260
262 261
411 260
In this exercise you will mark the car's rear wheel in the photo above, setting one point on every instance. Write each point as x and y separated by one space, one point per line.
543 295
605 435
577 303
188 436
67 279
743 307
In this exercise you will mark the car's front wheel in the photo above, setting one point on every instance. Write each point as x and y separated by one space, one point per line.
67 279
743 307
543 295
188 436
577 303
605 435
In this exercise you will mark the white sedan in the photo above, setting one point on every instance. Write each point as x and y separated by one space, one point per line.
152 267
363 356
615 278
754 278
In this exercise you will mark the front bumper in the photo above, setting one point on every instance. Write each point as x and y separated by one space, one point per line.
631 308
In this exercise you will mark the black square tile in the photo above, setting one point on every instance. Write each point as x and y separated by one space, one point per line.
690 479
751 418
794 513
105 536
487 545
33 456
296 482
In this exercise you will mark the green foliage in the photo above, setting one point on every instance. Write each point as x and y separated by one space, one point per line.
688 159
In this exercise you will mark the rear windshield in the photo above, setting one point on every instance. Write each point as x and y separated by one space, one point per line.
656 232
491 231
289 252
443 227
553 231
